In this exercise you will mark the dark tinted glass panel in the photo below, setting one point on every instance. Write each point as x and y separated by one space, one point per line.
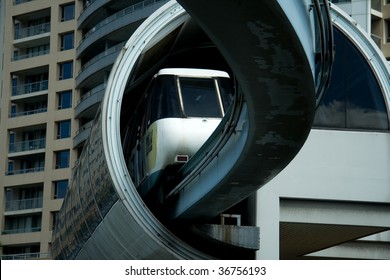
226 92
65 100
354 99
60 188
66 70
67 41
68 12
200 98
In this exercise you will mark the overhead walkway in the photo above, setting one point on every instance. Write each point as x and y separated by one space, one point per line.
275 62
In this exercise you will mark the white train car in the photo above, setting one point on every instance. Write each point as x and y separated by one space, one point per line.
177 114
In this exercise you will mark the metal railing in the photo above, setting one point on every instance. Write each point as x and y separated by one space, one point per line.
23 204
29 112
17 2
30 55
93 91
21 230
26 256
86 126
376 5
32 31
30 88
377 39
29 145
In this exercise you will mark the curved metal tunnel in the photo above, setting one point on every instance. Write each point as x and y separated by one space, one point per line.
103 217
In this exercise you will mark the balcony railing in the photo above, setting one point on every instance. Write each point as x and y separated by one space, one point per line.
25 171
30 88
21 230
26 113
23 204
17 2
32 31
30 55
29 145
27 256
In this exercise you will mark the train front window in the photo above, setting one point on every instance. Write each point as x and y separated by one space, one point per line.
200 98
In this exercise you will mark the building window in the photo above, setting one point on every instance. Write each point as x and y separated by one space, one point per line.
60 188
66 70
65 99
67 12
62 159
388 31
67 41
63 129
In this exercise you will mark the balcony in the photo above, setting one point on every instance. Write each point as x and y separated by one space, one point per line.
30 145
30 88
32 31
130 15
376 5
21 230
23 204
30 55
82 134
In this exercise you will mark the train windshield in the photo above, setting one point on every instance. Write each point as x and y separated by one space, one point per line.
200 97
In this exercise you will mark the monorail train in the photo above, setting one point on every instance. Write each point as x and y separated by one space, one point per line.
178 112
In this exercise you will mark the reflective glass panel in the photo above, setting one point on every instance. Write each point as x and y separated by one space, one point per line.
354 99
200 98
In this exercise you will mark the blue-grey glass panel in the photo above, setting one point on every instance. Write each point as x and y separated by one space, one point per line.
61 188
354 99
67 41
62 159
